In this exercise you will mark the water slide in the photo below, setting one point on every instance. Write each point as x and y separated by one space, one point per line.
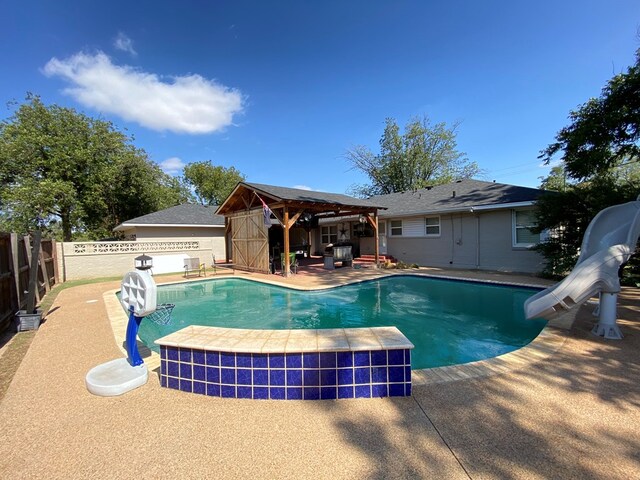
609 241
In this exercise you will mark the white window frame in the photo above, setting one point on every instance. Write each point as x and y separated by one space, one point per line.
392 228
515 227
331 231
427 226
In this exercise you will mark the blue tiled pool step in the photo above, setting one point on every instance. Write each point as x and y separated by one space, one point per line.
310 375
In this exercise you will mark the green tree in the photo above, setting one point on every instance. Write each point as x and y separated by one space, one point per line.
556 181
211 183
604 131
73 175
423 155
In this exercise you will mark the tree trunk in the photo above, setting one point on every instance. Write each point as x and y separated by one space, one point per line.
65 217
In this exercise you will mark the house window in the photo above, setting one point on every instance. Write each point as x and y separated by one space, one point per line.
396 228
432 226
329 234
523 222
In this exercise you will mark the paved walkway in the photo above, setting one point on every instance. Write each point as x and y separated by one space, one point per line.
574 414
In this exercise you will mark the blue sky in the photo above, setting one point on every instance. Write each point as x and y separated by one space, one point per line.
281 89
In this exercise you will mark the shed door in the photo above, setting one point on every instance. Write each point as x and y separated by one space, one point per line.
250 241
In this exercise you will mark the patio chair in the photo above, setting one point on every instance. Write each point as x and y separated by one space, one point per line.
193 266
215 264
293 262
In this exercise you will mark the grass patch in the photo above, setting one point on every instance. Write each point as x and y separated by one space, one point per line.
12 357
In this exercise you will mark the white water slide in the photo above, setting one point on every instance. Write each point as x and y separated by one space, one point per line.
609 241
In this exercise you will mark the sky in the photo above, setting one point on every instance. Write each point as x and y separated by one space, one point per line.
280 90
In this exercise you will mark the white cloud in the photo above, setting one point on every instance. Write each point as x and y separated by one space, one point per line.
302 187
124 43
185 104
172 165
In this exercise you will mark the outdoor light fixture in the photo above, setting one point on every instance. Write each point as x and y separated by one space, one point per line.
143 262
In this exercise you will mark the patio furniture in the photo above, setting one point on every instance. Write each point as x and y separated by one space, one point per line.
338 254
215 265
193 266
293 262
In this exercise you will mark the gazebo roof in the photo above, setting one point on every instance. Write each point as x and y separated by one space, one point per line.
247 195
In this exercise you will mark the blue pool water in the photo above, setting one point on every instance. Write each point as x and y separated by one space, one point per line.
449 322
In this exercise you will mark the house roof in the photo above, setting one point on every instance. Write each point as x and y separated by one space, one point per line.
185 215
463 195
306 199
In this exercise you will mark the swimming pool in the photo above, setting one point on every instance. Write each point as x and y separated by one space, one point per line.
449 322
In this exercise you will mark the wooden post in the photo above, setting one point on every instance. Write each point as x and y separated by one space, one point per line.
227 242
43 268
15 265
32 293
375 235
287 262
54 255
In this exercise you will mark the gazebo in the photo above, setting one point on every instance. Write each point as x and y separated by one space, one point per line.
248 210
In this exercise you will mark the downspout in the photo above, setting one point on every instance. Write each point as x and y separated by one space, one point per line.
477 240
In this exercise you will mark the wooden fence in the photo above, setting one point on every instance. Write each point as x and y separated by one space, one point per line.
15 261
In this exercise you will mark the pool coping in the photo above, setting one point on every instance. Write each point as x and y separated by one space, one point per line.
548 342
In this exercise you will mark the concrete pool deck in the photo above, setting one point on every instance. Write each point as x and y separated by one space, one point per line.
571 414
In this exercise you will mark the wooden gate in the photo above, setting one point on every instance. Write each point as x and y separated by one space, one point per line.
250 241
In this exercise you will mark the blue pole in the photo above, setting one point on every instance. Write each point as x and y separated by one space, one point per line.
132 343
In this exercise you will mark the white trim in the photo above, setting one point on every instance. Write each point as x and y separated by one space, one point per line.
528 203
125 226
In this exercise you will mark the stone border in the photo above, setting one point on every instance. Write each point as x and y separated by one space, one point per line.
549 341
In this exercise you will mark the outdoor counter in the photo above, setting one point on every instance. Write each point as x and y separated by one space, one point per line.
287 364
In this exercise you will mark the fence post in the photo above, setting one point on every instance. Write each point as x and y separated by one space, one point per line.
42 264
15 267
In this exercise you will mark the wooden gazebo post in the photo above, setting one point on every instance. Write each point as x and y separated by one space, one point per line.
375 235
285 224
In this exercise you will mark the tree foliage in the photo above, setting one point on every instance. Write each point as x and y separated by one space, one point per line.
211 183
74 175
604 131
423 155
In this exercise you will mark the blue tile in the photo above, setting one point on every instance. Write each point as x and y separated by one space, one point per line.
361 359
328 393
213 390
379 357
228 376
396 357
407 357
227 359
227 391
363 391
345 392
199 373
172 369
277 378
362 375
345 376
260 360
261 377
277 393
163 367
294 378
163 352
244 392
261 393
212 358
310 360
396 374
198 357
312 393
407 374
276 360
311 378
378 374
407 389
294 360
163 380
200 387
328 360
186 385
185 355
243 360
294 393
345 359
328 377
396 390
173 383
213 374
172 353
243 376
186 371
379 390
